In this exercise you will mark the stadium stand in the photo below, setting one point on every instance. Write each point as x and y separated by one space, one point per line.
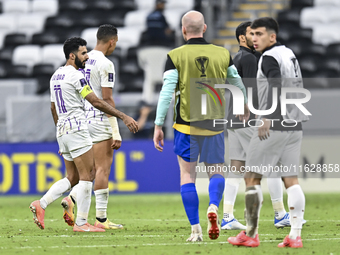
307 26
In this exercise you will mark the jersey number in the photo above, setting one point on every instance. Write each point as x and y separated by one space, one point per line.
59 99
87 76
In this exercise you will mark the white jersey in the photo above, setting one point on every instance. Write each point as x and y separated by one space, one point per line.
99 72
68 87
291 77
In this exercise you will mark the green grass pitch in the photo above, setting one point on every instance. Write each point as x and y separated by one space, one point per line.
157 224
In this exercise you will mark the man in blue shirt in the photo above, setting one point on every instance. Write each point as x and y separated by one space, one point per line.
158 31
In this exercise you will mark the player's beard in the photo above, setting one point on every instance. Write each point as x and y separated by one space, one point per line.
250 44
78 63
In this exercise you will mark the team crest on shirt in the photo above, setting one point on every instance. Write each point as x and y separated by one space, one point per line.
82 82
110 77
202 64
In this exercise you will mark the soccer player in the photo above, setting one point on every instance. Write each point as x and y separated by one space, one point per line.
274 142
68 88
239 136
188 71
100 75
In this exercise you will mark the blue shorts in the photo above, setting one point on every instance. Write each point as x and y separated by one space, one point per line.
210 148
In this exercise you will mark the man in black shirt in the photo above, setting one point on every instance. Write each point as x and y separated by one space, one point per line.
239 136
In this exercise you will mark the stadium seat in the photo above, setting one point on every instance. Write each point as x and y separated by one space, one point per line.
289 16
128 83
299 4
45 7
19 71
130 63
333 15
53 54
5 66
6 53
128 37
330 64
90 18
173 18
16 39
326 34
74 5
62 20
103 5
43 73
90 35
152 61
297 46
7 26
180 5
17 6
114 17
147 5
28 55
311 17
136 19
30 24
50 36
327 3
309 62
333 50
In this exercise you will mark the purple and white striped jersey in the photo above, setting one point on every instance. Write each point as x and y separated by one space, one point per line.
66 87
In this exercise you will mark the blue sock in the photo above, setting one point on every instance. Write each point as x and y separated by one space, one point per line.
190 202
216 189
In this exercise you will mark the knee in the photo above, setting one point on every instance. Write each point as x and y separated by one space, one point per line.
73 178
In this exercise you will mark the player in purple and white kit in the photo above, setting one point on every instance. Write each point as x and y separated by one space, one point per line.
100 74
68 89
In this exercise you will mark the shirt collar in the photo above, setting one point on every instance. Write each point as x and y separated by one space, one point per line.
199 40
270 47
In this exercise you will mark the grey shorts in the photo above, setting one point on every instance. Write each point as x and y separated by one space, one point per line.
74 144
277 156
238 140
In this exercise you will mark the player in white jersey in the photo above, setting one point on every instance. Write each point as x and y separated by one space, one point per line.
68 88
100 75
276 140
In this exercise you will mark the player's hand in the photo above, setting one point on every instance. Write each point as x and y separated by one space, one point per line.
130 123
59 152
263 131
246 114
158 137
116 144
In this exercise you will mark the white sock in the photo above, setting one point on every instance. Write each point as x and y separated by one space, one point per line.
230 191
74 192
84 202
196 228
102 198
276 194
296 204
253 216
56 190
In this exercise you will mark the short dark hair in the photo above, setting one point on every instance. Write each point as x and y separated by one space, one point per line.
72 45
106 32
267 22
242 29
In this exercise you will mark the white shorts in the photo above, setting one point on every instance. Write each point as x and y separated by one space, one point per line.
99 131
239 140
277 156
74 144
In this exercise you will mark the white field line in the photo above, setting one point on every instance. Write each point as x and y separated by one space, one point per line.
329 220
132 236
148 244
